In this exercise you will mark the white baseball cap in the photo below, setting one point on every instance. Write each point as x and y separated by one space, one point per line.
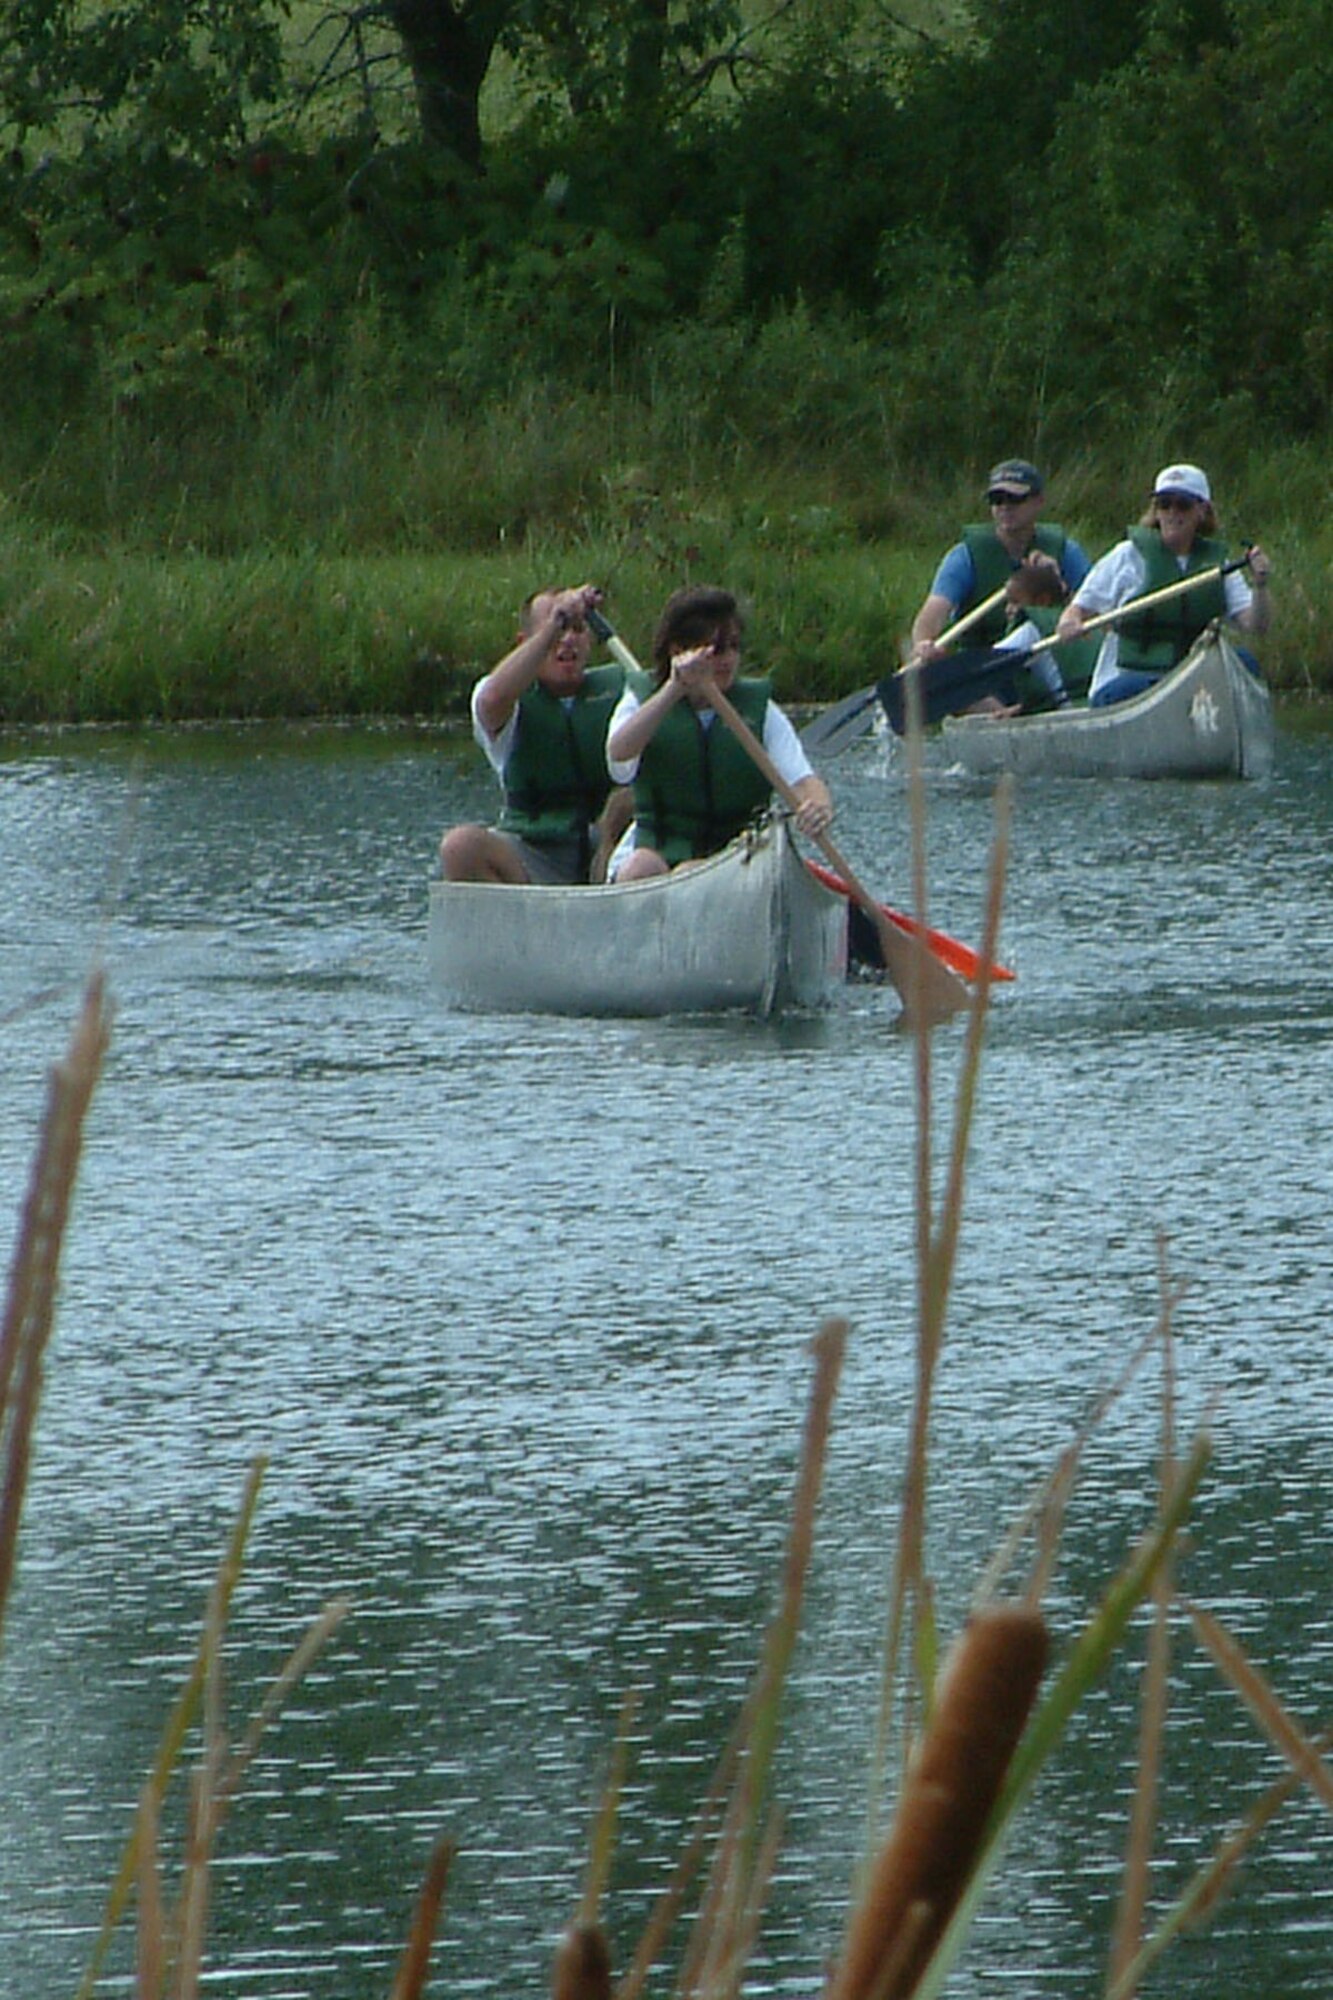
1186 479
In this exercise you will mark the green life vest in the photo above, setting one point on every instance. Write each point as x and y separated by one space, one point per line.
696 787
555 778
1154 641
993 566
1076 660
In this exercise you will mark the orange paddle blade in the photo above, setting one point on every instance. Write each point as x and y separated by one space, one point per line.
950 951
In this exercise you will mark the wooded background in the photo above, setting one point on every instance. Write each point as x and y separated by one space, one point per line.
1040 215
454 274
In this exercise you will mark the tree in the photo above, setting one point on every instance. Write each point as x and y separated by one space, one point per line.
448 46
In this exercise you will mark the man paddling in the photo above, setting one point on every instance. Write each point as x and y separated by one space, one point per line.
988 560
541 718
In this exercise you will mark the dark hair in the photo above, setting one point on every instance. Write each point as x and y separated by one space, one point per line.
689 617
526 621
1037 583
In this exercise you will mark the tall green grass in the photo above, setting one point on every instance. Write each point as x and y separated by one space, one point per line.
374 563
363 548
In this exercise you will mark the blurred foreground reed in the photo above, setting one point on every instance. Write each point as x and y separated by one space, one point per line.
957 1747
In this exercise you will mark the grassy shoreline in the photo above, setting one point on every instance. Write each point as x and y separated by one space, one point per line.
274 635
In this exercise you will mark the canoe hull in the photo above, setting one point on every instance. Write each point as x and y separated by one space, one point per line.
750 929
1211 718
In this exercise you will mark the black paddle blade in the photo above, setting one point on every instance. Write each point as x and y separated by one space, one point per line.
947 685
847 720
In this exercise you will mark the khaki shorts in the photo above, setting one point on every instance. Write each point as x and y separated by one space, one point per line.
553 864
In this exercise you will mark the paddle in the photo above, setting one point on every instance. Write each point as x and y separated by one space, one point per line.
959 957
844 722
928 990
954 683
834 728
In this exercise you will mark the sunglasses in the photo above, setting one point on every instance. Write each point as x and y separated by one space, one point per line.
1176 503
999 499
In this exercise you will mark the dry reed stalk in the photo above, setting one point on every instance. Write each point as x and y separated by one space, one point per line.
192 1924
1215 1877
712 1916
739 1875
980 1710
34 1272
581 1969
737 1788
936 1250
829 1348
1211 1884
218 1778
1053 1501
298 1664
1286 1734
945 1245
1127 1937
150 1942
718 1972
602 1845
1043 1516
414 1965
652 1939
205 1783
215 1784
174 1734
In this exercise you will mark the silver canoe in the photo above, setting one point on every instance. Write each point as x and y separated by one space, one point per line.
1211 718
748 929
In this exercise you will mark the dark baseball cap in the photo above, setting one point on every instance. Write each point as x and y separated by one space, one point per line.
1016 476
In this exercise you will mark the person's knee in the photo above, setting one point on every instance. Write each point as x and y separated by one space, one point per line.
644 861
462 853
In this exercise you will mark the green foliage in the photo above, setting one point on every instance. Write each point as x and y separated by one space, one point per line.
179 75
1165 266
1137 211
629 57
823 169
846 266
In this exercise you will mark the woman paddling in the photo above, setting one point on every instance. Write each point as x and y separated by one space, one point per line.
695 787
1177 537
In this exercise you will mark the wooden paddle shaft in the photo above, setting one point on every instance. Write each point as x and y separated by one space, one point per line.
971 618
1135 604
965 623
742 731
849 718
909 964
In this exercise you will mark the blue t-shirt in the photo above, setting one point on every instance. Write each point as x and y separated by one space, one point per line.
956 577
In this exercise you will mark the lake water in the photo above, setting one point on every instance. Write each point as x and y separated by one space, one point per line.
519 1310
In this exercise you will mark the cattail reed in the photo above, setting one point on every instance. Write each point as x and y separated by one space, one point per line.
582 1967
414 1966
981 1706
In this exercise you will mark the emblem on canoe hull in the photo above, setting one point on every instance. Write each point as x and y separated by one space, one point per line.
1205 716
